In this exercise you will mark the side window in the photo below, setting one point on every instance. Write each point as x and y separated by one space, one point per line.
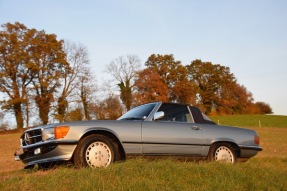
199 117
176 113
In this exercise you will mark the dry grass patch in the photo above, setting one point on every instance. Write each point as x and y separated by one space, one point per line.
8 144
273 141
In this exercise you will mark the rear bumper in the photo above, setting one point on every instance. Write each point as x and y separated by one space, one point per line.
249 151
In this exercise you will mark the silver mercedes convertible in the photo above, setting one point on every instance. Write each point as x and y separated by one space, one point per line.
153 129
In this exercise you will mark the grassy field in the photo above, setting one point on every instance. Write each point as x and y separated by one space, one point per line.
266 171
252 120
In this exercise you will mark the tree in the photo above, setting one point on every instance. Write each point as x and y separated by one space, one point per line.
175 76
235 99
184 91
149 87
264 108
75 115
214 82
109 108
219 92
15 67
166 67
77 57
31 61
48 66
84 97
3 125
86 88
123 70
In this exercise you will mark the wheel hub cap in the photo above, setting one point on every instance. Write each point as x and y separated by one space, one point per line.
224 154
98 154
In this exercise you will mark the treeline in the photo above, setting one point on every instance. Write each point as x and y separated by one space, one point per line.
51 79
211 87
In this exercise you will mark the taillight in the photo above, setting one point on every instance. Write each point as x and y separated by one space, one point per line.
61 131
256 139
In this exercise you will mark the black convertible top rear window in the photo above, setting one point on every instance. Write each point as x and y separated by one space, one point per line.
199 117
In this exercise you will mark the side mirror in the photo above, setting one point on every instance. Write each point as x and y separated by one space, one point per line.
158 115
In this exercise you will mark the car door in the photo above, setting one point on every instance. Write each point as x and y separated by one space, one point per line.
175 134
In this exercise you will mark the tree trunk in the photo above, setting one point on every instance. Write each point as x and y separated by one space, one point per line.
62 108
43 104
27 114
126 94
18 115
85 105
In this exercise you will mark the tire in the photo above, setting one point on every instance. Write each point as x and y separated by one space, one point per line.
94 151
223 152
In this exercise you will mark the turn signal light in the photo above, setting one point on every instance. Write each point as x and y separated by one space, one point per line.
256 139
61 131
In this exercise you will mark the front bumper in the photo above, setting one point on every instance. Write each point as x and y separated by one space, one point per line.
45 152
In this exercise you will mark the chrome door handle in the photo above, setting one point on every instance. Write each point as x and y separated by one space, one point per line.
195 128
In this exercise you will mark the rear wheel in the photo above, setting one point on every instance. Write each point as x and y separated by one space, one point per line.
222 152
94 151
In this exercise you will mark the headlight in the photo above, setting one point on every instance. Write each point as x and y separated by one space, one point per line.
48 134
55 132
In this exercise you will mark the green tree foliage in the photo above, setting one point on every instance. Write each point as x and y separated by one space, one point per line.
126 93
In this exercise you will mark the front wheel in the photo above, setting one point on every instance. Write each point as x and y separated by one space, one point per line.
94 151
222 152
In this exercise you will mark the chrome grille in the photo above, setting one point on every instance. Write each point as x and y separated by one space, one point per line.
31 137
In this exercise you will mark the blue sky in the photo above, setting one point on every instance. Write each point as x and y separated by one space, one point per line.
249 36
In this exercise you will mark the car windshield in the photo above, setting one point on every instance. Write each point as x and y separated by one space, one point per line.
138 113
